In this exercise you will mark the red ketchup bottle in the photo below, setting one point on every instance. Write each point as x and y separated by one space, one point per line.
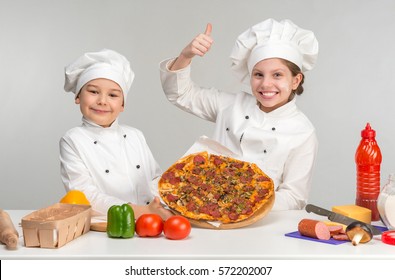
368 159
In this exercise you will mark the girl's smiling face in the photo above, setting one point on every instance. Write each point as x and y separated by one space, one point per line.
101 101
272 83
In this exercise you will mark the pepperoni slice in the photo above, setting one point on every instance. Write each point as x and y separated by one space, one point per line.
245 179
168 175
199 159
262 192
262 179
233 216
218 161
171 197
180 166
191 206
174 181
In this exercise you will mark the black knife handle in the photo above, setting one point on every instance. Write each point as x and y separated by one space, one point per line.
317 210
308 208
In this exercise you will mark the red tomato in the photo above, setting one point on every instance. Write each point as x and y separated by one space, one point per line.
149 225
177 227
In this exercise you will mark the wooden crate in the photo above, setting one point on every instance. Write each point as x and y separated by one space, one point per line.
56 225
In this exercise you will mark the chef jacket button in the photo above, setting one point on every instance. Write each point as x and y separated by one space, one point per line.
273 128
264 151
95 142
247 117
227 129
147 202
124 136
138 166
107 171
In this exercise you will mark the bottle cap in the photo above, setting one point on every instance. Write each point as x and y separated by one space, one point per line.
368 132
388 237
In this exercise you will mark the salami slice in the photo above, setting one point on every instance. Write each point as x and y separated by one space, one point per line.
334 230
340 236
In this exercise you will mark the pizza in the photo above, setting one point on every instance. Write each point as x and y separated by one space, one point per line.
210 187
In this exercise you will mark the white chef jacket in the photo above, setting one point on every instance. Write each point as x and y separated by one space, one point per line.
111 165
282 143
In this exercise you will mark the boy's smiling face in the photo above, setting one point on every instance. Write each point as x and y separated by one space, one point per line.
101 101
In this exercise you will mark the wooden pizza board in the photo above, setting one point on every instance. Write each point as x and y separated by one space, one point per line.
258 215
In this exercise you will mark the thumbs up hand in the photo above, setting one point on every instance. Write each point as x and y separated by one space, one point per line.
200 45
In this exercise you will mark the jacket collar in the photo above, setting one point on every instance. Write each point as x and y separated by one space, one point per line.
282 112
89 124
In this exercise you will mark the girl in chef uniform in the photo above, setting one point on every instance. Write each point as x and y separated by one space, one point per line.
262 123
109 162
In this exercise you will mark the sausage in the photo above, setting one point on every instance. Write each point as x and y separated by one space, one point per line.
314 229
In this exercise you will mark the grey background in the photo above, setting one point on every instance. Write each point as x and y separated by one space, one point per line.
352 84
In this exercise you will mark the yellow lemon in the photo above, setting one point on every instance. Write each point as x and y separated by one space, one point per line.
75 197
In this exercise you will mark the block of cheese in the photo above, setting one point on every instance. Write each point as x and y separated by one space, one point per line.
354 211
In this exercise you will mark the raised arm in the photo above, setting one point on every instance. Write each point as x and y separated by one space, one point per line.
200 45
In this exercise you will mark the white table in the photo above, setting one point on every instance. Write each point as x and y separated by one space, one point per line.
262 240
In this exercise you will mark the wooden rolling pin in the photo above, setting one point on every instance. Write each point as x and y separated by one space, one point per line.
99 226
8 234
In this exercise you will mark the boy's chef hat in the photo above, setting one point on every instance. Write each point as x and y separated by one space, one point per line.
270 39
106 64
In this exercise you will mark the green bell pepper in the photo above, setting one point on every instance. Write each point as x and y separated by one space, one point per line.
120 221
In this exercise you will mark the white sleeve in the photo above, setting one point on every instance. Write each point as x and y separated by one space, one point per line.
76 176
181 91
294 190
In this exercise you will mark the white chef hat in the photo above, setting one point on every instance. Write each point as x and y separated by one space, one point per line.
270 39
106 64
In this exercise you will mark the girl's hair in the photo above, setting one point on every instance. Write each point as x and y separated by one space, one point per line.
295 70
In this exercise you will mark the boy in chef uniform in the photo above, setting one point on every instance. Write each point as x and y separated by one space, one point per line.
109 162
265 127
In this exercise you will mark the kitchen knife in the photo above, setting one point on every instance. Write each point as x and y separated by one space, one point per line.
339 218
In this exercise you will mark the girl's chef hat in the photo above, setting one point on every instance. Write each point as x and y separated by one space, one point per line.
270 39
106 64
